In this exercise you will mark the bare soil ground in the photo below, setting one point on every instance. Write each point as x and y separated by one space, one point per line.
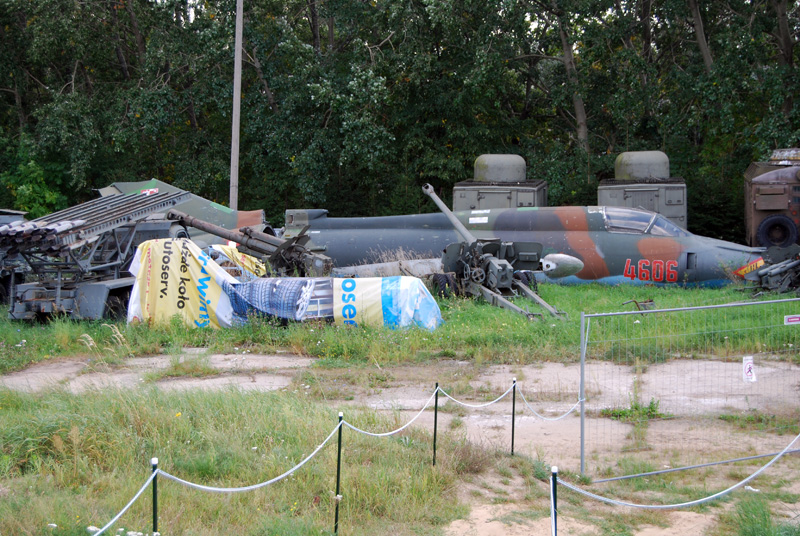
500 504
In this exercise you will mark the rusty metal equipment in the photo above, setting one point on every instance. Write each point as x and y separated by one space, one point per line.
781 271
495 270
772 200
285 257
78 255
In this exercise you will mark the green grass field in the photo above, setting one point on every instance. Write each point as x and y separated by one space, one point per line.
75 460
472 331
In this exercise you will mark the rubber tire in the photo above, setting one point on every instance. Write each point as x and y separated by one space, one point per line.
527 279
451 280
524 278
117 306
441 286
4 289
777 230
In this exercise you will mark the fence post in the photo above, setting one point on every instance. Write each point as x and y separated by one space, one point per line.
435 419
513 412
553 500
582 391
154 463
338 497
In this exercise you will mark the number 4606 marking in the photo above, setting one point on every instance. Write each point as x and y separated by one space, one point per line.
647 270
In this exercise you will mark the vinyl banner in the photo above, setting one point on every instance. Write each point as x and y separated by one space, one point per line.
391 301
244 261
175 277
357 301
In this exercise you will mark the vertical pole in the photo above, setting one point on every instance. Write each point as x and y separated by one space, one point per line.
513 412
435 419
554 500
582 393
154 463
237 98
338 497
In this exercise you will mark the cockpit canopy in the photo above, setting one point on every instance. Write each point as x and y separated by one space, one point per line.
635 221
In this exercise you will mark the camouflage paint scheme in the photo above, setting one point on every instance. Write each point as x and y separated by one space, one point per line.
617 245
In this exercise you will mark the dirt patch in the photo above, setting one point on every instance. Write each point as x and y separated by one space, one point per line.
544 427
245 371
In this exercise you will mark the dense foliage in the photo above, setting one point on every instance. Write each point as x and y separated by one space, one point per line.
351 105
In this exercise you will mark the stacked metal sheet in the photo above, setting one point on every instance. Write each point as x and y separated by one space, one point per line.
77 226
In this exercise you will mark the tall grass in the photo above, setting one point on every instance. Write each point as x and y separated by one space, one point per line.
472 331
75 461
753 517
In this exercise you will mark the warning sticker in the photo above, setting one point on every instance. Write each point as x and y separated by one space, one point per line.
478 220
789 320
748 369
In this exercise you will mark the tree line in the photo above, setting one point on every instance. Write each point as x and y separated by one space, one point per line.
352 105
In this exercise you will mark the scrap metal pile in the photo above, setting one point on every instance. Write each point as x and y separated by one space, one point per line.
781 270
75 233
77 255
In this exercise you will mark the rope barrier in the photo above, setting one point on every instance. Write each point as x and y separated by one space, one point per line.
475 406
685 504
254 486
127 506
385 434
570 410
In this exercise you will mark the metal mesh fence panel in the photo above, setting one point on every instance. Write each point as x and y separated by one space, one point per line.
679 387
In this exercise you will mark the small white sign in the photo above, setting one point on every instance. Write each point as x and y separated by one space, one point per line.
481 212
748 369
791 320
478 220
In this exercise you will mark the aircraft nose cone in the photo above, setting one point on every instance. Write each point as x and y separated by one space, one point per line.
730 260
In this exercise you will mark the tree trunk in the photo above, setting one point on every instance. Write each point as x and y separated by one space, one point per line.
267 91
785 46
137 34
123 64
700 35
581 127
313 21
647 34
20 108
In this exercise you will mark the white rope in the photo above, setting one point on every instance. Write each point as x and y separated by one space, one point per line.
685 504
498 399
254 486
385 434
570 410
119 515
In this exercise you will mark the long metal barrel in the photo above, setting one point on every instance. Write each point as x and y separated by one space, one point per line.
460 228
256 241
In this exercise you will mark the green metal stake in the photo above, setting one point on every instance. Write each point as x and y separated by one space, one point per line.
338 497
154 463
554 488
435 419
513 412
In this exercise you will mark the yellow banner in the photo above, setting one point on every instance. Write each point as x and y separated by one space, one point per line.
175 277
242 260
357 301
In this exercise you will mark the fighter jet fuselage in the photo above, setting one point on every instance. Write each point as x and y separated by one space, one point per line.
617 245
